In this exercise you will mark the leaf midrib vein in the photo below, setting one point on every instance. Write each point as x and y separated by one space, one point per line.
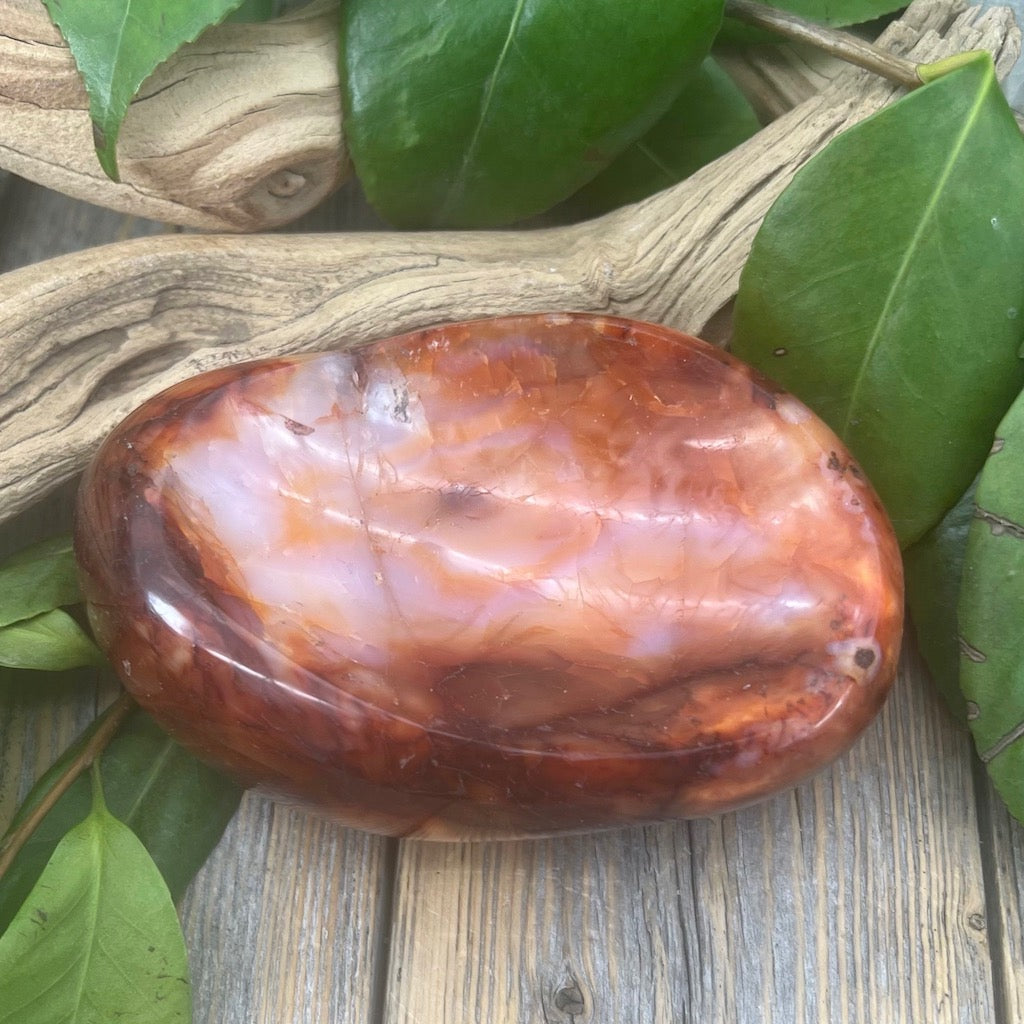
114 64
152 774
904 267
474 142
655 160
93 893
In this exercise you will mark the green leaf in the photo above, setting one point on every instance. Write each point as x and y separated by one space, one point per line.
52 641
991 611
934 569
885 289
117 44
34 633
98 939
38 579
254 11
710 117
174 803
460 113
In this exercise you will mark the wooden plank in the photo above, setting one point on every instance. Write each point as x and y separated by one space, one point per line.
284 923
1003 849
859 897
36 224
853 898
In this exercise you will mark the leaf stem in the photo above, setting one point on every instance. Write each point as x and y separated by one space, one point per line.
98 803
840 44
108 724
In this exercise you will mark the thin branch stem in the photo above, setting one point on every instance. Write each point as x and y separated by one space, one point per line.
840 44
109 723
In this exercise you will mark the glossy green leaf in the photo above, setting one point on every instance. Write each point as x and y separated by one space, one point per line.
710 117
460 113
885 289
98 939
52 642
991 613
38 579
117 44
934 569
254 11
174 803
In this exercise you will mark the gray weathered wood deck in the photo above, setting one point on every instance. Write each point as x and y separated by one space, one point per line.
888 889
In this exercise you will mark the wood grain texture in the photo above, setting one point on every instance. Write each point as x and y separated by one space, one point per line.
889 890
857 897
285 920
1003 850
775 79
91 335
239 131
64 222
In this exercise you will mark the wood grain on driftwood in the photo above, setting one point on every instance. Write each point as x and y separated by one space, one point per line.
87 337
239 131
890 888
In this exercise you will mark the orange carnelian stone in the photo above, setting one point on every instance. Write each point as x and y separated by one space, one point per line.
510 577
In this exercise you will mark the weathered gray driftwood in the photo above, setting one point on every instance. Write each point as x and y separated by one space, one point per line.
239 131
85 338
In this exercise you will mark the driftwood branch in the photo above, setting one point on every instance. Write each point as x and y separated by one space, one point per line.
87 337
844 45
239 131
